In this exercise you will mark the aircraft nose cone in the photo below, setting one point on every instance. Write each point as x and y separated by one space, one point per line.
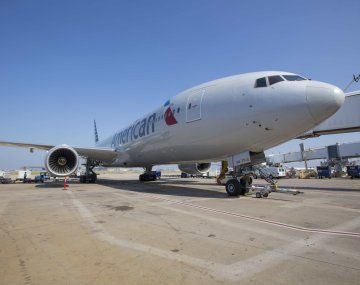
323 100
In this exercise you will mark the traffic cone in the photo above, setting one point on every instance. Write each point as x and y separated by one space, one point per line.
66 186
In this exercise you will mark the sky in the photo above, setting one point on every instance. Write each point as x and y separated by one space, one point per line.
65 63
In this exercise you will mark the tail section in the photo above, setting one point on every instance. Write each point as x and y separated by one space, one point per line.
96 133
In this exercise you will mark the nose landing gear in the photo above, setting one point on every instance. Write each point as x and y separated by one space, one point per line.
241 184
238 185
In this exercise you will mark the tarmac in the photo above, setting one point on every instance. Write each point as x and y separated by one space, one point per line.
179 231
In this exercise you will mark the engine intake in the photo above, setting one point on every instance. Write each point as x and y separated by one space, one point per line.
61 161
194 168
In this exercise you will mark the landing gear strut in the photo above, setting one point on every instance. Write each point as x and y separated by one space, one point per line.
90 176
224 169
148 175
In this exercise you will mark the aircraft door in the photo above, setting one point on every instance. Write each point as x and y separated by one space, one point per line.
193 107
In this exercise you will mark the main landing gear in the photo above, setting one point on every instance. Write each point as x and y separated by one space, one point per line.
148 175
238 185
90 176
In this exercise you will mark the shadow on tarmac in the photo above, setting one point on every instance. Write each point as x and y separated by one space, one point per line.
164 186
182 188
177 188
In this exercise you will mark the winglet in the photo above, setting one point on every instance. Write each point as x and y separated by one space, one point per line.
96 133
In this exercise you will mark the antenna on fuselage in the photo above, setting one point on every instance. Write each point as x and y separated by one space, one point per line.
355 79
96 133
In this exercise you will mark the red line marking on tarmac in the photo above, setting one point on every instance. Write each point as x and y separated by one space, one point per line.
270 222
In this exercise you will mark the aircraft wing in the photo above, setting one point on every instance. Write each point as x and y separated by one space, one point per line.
93 153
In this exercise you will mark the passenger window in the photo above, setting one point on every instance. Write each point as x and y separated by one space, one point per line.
261 82
275 79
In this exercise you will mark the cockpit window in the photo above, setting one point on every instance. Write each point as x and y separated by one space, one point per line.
275 79
293 77
261 82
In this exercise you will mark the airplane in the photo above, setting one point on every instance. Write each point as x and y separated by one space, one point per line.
248 112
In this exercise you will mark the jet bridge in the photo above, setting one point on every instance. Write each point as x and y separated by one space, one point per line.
331 152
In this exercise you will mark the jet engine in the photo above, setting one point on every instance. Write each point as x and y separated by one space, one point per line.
194 168
61 161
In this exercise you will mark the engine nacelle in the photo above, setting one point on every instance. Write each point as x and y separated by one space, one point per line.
194 168
61 161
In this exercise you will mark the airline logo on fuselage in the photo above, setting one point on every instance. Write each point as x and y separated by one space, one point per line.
139 129
169 114
143 127
169 117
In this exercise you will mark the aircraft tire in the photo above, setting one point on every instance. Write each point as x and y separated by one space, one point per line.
147 177
245 184
232 187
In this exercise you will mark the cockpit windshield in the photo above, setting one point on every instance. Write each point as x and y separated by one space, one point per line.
260 82
293 77
273 79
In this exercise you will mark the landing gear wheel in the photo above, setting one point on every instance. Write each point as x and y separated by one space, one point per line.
232 187
90 176
245 185
147 177
93 178
242 190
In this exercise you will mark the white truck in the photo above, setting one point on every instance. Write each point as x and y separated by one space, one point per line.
21 175
277 172
5 177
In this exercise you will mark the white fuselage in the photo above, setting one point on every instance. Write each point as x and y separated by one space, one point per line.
224 117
